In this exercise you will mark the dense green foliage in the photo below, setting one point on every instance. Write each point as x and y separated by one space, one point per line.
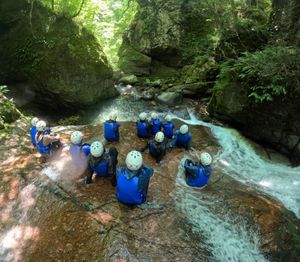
272 72
8 111
106 19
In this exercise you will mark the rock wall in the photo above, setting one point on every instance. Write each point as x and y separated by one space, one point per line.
60 60
275 123
174 41
162 37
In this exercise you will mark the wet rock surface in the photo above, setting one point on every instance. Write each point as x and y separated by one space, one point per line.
170 98
46 218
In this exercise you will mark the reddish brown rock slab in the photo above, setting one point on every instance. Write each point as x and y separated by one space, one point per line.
65 220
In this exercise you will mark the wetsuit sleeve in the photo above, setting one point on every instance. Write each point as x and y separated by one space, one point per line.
174 139
190 168
161 151
144 178
143 149
90 171
149 170
207 170
188 145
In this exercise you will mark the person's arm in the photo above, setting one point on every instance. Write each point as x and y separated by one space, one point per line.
90 172
207 170
148 170
174 139
144 148
190 168
49 138
188 145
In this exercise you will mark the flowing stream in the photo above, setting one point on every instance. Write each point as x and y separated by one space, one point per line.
239 160
227 236
224 235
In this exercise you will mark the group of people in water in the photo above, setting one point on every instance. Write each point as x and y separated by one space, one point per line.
131 179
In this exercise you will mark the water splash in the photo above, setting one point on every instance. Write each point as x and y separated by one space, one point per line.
226 235
239 160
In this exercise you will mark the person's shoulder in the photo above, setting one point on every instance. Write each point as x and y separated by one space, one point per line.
147 168
121 168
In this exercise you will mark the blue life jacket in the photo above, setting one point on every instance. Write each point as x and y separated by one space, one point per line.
42 148
152 150
168 129
33 132
111 131
142 129
183 139
80 149
156 125
102 168
132 186
197 175
86 149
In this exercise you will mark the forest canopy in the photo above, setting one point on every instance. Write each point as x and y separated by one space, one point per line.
106 19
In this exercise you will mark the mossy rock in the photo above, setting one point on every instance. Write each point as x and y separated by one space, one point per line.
8 112
60 60
133 62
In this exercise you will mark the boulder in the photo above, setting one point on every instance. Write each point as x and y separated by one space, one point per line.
62 62
199 89
129 79
170 98
132 61
164 36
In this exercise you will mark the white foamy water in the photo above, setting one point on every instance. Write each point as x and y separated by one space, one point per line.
239 160
225 235
52 173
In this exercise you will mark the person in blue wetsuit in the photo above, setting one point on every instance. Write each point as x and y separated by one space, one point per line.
143 126
77 144
102 162
46 142
33 130
168 127
182 137
198 174
157 146
133 180
111 128
155 123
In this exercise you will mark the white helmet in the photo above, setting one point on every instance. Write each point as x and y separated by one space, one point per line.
76 137
184 129
34 121
97 149
159 137
143 116
41 125
205 159
168 118
113 116
134 160
154 115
